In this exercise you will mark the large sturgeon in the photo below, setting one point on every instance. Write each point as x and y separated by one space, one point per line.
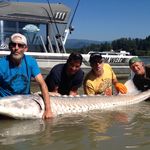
32 106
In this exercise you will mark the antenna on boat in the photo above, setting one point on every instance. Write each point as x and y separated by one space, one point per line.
70 27
59 44
53 17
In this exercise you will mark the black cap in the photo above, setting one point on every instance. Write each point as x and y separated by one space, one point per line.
95 57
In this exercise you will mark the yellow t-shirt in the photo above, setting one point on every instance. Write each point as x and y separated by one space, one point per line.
99 85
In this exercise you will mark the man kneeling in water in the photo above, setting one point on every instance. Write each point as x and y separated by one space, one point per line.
101 77
141 78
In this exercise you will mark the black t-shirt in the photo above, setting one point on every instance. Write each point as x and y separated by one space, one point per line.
58 77
143 82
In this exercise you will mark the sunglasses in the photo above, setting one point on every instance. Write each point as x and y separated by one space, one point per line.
19 45
96 61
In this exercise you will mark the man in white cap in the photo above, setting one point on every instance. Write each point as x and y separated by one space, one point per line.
17 69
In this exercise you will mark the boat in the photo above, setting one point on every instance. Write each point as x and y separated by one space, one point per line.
112 57
47 27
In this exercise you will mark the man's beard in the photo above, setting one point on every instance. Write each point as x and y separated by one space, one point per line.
16 58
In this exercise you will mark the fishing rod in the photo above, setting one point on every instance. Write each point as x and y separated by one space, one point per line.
58 35
70 28
70 24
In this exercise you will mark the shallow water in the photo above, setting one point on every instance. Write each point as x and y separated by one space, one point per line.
124 128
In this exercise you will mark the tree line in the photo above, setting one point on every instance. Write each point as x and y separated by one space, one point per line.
140 47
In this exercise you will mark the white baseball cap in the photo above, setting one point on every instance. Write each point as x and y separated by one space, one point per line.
18 38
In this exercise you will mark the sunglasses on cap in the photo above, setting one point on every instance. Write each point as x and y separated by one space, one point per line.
12 44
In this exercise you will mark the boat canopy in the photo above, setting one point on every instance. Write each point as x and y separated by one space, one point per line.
34 12
44 25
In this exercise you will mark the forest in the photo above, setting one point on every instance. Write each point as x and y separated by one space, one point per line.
140 47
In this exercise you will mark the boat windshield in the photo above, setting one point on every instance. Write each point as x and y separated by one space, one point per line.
35 34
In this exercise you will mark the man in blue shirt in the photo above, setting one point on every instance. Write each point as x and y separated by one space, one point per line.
65 79
17 69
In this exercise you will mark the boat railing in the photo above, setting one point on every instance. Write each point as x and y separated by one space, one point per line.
50 44
45 49
120 53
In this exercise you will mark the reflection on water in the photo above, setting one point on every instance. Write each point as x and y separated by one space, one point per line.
124 128
14 131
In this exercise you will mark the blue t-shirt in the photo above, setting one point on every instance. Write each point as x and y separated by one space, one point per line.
16 79
58 77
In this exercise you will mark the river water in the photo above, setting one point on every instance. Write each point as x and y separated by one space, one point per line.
121 129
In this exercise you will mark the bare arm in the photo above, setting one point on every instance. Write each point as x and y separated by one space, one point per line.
44 90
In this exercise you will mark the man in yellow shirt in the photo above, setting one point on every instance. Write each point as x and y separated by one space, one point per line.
101 78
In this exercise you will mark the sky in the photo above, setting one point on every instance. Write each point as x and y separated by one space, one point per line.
107 20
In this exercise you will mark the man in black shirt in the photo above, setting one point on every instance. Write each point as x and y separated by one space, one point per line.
65 79
141 78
